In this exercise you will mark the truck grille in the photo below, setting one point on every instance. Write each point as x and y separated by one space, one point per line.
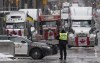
82 35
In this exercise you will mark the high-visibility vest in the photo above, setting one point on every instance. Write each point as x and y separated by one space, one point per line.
63 36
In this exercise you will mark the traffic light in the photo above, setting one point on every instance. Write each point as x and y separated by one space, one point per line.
44 2
93 4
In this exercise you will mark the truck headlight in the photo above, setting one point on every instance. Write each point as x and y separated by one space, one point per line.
92 37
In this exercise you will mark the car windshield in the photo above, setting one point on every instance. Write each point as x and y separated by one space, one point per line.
19 39
27 40
81 23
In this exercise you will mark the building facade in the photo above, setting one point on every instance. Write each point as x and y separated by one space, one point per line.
19 4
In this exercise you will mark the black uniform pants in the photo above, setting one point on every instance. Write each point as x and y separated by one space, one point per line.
62 50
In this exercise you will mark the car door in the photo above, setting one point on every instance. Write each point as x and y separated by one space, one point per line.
21 46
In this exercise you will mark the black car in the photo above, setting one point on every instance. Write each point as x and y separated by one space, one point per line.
37 50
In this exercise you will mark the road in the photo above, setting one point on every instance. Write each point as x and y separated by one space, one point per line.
74 55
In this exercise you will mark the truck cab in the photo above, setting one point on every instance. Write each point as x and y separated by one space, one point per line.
82 31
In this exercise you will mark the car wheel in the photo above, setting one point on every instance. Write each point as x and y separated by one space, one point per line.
36 54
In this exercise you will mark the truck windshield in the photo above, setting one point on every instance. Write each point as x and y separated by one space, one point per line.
79 23
49 24
15 25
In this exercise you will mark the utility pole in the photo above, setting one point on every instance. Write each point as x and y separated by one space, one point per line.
9 8
60 23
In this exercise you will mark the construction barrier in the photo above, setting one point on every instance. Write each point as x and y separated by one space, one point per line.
7 47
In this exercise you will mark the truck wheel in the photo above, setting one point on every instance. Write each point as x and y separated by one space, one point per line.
36 54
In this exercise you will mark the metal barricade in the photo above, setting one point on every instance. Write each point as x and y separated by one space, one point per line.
7 47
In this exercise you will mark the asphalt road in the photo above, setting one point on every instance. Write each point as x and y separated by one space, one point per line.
74 55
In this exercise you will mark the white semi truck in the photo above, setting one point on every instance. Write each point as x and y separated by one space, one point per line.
18 24
82 32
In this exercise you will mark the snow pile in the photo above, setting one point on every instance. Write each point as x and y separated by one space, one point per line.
4 57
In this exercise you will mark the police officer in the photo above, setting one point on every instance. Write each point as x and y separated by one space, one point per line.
63 40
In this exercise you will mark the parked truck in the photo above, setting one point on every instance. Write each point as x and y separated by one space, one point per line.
22 23
16 24
82 31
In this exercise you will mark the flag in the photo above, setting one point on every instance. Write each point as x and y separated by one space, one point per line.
29 18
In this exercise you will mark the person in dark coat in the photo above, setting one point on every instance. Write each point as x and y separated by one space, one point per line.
63 40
